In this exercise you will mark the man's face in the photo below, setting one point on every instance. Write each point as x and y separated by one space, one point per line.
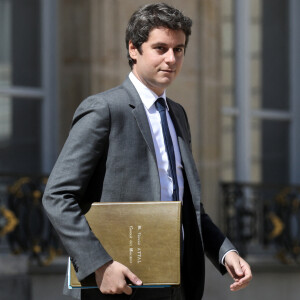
160 59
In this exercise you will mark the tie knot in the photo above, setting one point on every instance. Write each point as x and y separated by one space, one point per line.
160 104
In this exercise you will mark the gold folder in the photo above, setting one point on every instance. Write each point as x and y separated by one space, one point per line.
144 236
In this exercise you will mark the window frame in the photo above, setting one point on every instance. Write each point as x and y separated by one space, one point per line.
47 93
243 113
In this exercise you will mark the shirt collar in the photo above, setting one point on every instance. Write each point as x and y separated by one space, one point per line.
147 96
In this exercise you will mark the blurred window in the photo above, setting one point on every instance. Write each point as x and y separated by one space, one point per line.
24 96
258 132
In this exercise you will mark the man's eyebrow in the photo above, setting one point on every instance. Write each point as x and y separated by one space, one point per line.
164 45
180 46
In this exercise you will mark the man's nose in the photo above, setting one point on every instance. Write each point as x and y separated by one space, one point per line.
170 56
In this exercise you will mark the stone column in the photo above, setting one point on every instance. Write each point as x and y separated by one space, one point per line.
209 117
74 60
108 55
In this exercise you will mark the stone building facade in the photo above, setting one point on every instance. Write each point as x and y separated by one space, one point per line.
239 86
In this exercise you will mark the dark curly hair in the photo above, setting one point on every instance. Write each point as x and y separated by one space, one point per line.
153 16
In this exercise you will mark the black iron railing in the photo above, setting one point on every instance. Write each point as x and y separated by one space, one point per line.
24 226
263 220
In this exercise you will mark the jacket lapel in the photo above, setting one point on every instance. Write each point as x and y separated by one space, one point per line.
138 111
142 122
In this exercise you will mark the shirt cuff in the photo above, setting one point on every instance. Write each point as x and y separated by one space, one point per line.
223 258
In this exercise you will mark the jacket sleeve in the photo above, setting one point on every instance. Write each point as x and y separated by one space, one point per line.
64 199
215 243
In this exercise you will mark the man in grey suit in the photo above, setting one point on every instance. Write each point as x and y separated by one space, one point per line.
116 151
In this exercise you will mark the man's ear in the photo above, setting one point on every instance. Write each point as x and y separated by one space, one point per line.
132 50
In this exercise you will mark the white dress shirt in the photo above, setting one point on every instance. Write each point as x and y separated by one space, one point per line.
166 183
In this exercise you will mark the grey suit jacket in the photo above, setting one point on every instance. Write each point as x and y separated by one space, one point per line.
109 156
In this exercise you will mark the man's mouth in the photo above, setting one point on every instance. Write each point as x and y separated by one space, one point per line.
168 71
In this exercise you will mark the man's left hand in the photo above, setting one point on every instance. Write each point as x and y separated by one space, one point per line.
239 270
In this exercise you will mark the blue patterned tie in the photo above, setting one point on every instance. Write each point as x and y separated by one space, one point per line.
161 107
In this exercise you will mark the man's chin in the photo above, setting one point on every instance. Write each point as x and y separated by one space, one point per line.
167 78
166 81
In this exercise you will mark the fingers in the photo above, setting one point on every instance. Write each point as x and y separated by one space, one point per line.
240 283
126 290
111 279
132 277
239 270
244 280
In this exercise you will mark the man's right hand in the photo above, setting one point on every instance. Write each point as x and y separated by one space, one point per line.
111 278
